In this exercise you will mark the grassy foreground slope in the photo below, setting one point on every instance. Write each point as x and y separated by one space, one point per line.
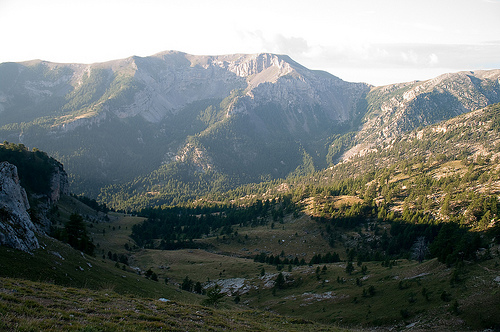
58 263
33 306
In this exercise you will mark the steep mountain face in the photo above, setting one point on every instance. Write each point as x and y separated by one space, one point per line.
161 85
59 184
398 108
111 122
16 228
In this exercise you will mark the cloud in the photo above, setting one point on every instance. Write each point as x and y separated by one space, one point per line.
410 57
291 45
277 43
473 56
379 63
433 59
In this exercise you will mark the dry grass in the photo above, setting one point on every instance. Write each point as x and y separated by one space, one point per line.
116 233
451 168
30 306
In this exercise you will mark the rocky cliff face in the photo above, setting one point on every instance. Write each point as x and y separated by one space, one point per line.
16 228
59 184
398 108
174 79
33 175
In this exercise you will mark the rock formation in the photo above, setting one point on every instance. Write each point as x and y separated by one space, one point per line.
59 184
16 228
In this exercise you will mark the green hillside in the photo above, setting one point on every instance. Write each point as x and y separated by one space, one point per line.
404 234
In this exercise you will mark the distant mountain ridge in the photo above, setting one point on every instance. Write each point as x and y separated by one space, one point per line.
174 119
155 86
398 108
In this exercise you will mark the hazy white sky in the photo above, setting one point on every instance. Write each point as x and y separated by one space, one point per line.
373 41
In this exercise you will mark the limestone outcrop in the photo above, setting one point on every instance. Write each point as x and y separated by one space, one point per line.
59 184
16 228
19 225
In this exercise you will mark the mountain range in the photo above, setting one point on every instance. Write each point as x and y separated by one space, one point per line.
171 126
260 179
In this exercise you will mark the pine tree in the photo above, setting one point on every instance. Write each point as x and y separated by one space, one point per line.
214 295
349 268
280 281
76 235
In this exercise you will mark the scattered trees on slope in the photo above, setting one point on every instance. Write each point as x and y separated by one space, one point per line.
75 234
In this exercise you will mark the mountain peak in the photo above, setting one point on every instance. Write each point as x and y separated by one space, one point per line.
243 65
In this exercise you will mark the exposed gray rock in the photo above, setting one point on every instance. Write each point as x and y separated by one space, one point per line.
16 228
158 86
59 184
398 108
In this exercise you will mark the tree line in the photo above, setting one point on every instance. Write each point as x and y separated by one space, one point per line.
176 227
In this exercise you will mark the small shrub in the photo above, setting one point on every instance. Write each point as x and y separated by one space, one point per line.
214 296
349 268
